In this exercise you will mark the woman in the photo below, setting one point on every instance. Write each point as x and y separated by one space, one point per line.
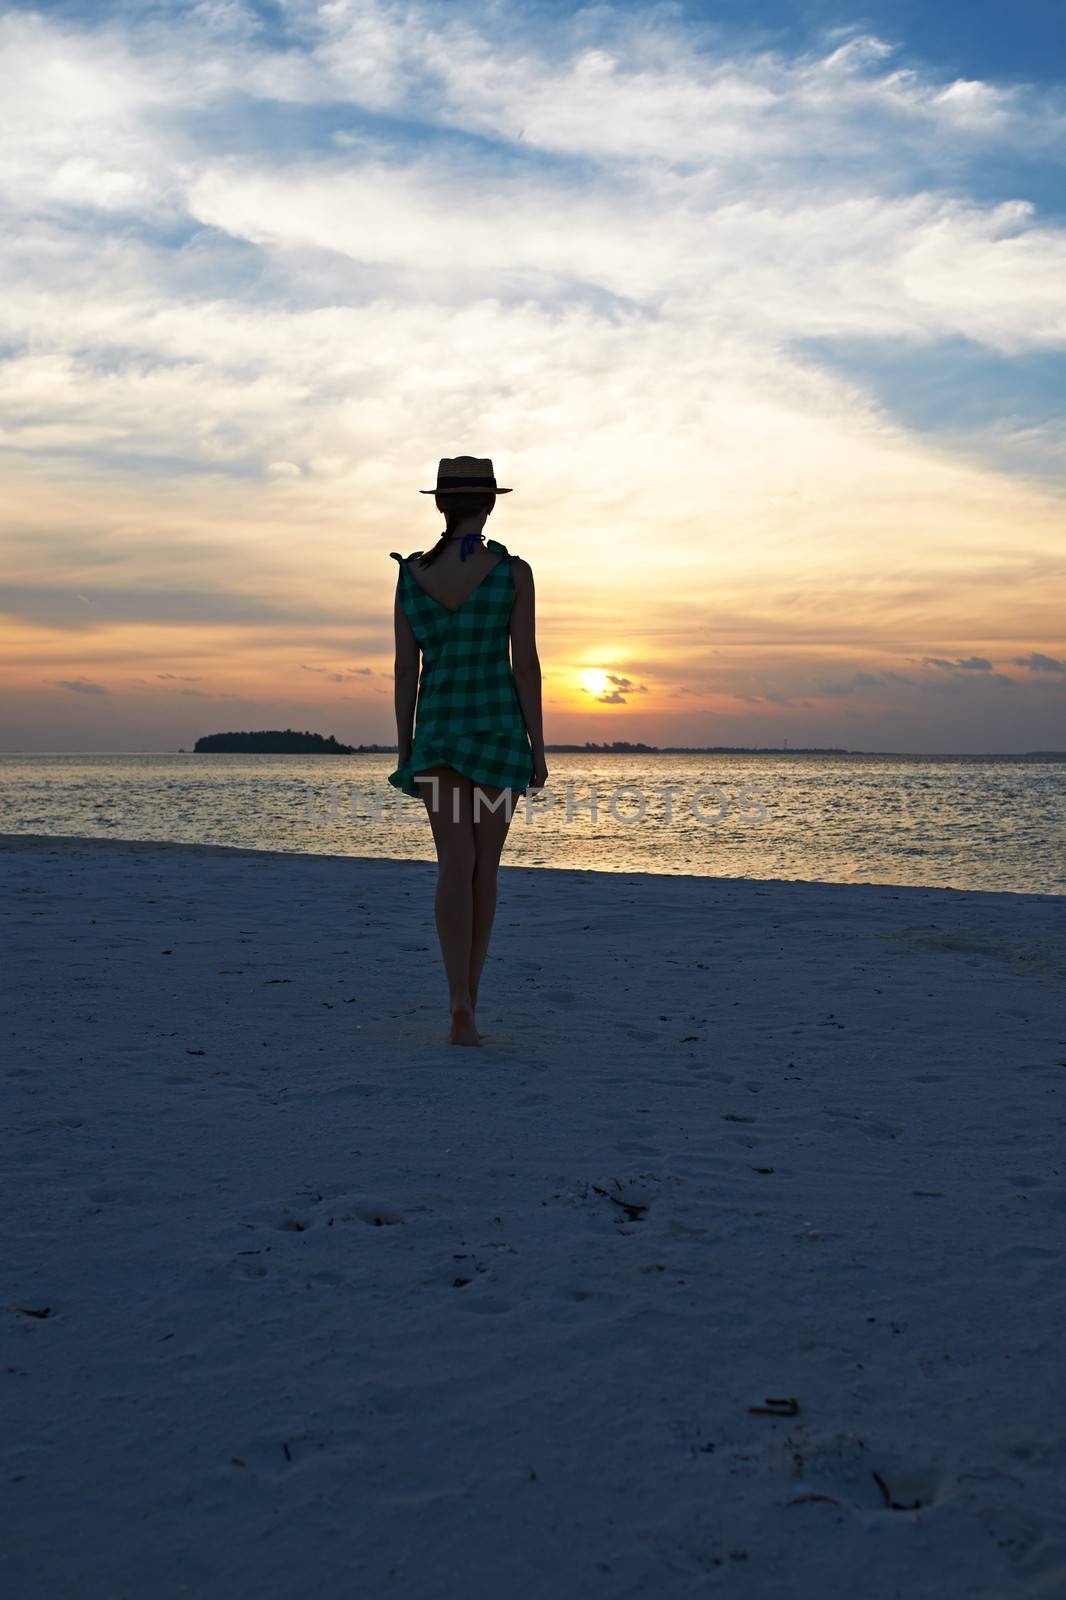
479 741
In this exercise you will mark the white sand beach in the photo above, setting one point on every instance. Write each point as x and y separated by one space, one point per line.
732 1263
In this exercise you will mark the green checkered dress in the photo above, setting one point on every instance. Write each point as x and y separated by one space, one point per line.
467 714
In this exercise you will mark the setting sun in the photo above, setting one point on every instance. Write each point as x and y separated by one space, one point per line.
594 679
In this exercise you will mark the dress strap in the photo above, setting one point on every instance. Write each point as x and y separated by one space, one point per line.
403 560
501 549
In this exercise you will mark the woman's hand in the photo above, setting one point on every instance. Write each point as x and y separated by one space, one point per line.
540 770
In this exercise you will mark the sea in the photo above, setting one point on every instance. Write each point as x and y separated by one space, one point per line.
962 822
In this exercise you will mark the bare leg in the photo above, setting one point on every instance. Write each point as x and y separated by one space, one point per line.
490 831
448 802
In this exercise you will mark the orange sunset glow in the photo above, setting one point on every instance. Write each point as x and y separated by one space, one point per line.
739 410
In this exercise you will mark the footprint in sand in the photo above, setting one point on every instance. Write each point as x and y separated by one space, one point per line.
853 1473
1028 1263
630 1200
380 1217
289 1222
244 1265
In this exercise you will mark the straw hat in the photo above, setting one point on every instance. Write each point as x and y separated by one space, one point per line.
462 474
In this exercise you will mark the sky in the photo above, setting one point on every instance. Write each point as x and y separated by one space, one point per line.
759 307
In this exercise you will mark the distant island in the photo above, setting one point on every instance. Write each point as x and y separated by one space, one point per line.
280 742
289 742
621 747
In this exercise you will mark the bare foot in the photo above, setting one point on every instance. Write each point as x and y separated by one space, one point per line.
463 1030
473 1007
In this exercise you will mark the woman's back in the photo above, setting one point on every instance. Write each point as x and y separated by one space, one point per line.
450 579
465 684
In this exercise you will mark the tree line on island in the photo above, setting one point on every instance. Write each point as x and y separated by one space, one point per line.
280 742
289 742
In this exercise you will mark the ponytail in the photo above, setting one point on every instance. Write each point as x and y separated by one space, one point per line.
457 508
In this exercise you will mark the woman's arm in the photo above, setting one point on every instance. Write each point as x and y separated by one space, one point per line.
406 671
525 664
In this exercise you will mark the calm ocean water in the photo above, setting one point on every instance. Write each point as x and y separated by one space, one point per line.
966 823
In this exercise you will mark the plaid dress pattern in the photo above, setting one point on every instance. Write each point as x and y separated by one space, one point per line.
467 713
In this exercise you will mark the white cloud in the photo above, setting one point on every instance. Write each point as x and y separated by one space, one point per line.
591 252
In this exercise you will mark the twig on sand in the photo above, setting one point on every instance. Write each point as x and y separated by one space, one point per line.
777 1408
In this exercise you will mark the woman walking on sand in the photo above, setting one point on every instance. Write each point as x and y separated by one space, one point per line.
467 607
